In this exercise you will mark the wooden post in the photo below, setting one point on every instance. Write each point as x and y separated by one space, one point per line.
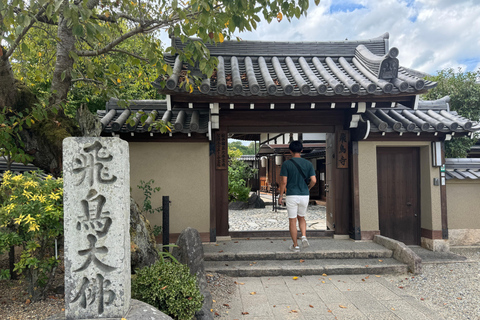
443 196
166 222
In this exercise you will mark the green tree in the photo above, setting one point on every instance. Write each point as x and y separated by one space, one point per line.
464 91
91 37
238 174
245 150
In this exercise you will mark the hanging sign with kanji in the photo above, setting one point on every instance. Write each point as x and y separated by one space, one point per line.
342 149
221 150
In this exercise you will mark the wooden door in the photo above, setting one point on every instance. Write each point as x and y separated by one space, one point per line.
398 175
329 190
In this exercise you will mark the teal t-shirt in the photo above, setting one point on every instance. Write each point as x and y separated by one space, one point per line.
296 186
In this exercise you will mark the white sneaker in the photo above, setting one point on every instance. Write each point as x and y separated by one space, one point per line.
305 243
294 249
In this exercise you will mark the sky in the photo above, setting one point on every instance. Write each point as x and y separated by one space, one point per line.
430 34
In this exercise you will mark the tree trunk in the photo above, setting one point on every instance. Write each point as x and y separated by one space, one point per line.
62 78
8 88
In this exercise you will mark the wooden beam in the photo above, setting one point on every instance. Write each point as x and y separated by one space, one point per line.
357 232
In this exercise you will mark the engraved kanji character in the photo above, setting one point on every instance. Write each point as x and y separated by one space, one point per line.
91 256
342 149
91 165
91 217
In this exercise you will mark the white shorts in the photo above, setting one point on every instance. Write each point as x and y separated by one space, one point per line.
296 206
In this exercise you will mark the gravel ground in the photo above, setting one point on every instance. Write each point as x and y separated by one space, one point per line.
15 303
451 289
266 219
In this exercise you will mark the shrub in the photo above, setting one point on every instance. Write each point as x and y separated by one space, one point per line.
238 174
31 216
168 286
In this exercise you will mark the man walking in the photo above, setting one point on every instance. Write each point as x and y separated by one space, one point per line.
294 176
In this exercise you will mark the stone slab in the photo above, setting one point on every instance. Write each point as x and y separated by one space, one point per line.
138 311
96 224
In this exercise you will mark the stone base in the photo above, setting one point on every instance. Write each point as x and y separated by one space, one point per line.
341 237
464 237
437 245
138 311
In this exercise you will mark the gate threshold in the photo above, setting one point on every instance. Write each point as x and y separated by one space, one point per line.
279 234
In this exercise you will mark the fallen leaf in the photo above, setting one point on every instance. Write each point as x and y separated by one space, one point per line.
377 276
220 251
226 305
214 301
295 278
274 305
367 277
301 260
363 279
323 281
216 244
459 298
63 309
400 287
393 309
210 275
310 306
343 307
380 260
293 311
211 310
329 278
253 293
217 314
329 311
324 274
366 266
244 312
422 299
164 288
235 242
28 301
254 262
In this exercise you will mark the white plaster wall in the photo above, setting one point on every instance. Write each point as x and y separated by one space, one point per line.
182 171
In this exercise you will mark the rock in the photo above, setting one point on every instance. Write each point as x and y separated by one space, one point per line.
255 202
190 252
142 242
238 205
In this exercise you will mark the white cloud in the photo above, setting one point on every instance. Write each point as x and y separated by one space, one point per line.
430 34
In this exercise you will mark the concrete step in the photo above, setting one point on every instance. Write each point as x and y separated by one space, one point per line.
302 267
221 255
244 250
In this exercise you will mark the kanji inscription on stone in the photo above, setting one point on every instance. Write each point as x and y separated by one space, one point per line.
96 223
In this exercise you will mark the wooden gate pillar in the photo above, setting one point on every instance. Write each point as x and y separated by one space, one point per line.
220 183
341 176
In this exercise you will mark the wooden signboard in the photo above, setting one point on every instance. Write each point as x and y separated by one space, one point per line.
221 150
342 149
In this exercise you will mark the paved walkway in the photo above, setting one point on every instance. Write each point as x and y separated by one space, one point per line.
352 297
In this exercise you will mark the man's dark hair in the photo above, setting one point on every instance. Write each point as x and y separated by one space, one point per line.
296 146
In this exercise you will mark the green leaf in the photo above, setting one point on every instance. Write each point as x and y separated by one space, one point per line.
78 30
25 48
317 2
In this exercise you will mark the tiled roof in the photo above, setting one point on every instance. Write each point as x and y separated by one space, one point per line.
183 120
462 169
17 168
247 157
256 68
429 117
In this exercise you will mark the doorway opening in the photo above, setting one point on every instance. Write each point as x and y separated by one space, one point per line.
263 186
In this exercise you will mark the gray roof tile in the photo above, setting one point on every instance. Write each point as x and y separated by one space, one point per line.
249 68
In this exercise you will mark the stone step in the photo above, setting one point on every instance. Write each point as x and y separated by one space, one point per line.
285 254
302 267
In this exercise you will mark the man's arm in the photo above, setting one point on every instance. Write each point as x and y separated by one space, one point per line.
283 184
313 181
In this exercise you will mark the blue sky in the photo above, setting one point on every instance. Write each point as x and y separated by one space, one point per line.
430 34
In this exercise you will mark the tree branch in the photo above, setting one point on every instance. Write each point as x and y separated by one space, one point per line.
130 54
22 34
111 45
87 80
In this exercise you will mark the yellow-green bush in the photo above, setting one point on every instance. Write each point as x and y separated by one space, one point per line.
31 216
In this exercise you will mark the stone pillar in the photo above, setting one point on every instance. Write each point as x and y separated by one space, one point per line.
96 222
